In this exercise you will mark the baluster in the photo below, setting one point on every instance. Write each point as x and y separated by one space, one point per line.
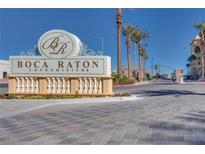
90 86
80 86
63 85
58 86
18 85
68 86
36 85
95 85
22 84
53 85
32 86
49 86
85 86
27 85
100 86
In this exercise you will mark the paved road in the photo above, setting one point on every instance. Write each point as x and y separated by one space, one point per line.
168 114
3 88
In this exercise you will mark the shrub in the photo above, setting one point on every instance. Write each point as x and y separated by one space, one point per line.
50 97
122 80
10 96
3 97
128 81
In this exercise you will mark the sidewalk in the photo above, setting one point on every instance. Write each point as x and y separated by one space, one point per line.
12 107
3 81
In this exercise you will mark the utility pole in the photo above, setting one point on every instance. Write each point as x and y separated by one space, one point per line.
152 66
102 43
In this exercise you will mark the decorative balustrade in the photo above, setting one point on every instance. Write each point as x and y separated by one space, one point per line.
93 86
27 85
58 85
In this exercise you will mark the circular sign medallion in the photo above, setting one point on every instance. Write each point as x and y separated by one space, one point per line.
58 44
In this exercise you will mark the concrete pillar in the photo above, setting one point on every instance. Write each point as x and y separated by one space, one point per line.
42 85
12 85
74 83
140 74
107 86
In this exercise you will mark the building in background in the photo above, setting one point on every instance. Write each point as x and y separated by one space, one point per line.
195 65
4 69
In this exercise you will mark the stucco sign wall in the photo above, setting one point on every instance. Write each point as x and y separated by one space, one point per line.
60 55
96 66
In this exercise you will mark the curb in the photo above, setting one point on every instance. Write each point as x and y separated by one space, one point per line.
121 85
138 83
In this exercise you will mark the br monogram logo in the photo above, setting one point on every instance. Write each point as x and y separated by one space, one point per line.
56 46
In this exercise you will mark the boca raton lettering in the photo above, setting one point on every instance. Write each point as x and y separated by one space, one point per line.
56 45
59 64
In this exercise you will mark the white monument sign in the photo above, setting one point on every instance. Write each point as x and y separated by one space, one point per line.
65 67
60 52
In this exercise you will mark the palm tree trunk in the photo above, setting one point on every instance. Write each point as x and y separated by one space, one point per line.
145 70
135 60
202 67
139 52
128 57
202 55
119 22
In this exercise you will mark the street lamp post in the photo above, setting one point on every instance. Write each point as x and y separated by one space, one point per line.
152 67
102 41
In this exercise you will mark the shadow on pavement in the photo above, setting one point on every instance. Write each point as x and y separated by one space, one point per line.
188 129
163 92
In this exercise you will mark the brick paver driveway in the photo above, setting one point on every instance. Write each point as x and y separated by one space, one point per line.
168 114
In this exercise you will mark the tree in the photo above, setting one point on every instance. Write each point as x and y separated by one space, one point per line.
141 36
144 56
201 27
134 39
128 31
119 22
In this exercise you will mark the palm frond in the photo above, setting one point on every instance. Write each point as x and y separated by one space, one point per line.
127 30
135 35
200 25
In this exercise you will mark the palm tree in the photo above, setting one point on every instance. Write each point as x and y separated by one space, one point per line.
128 31
201 27
119 22
142 35
144 56
134 39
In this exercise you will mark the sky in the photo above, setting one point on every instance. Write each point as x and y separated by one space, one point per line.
171 31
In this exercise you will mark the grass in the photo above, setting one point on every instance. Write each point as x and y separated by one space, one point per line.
12 96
